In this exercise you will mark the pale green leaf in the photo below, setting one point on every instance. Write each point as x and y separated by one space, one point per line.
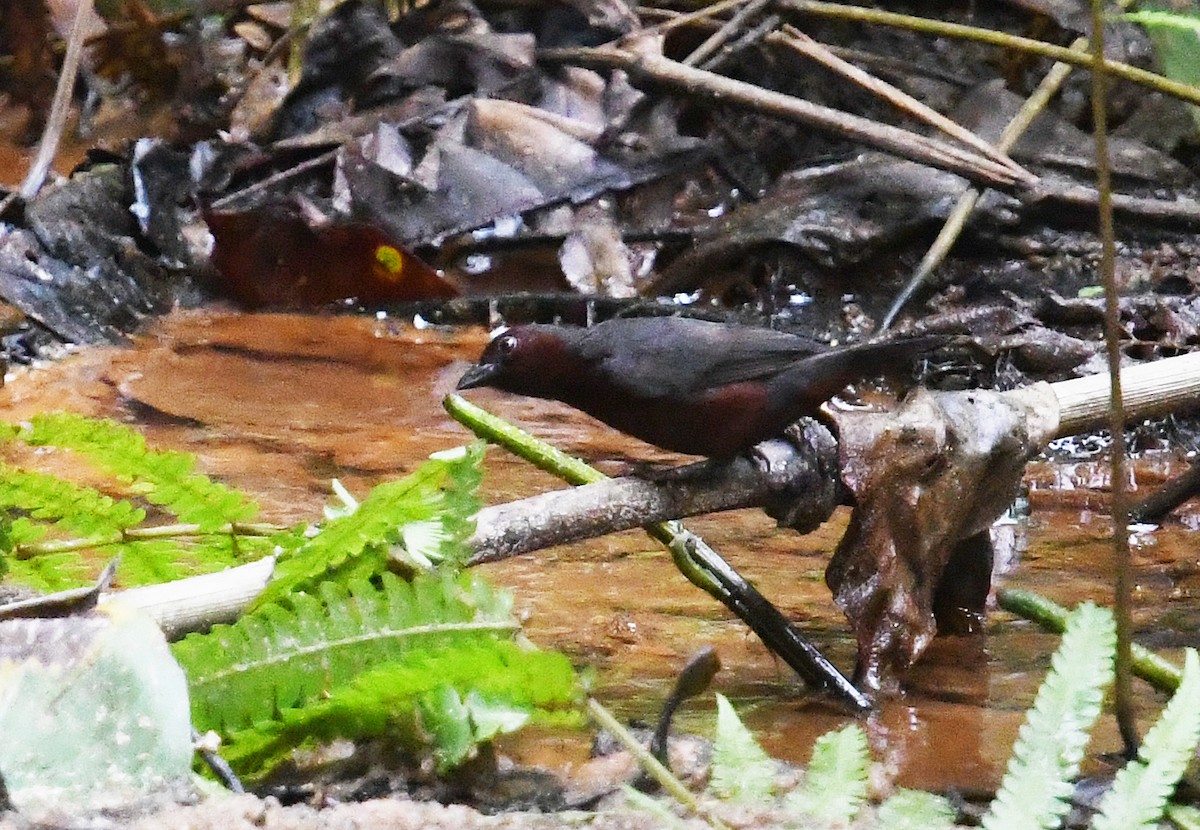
741 770
1049 748
1140 792
835 784
915 810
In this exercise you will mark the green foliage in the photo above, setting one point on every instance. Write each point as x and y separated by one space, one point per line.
1140 792
835 784
1176 39
45 507
457 725
915 810
741 770
401 699
79 510
424 517
342 648
338 647
284 655
63 507
166 479
1050 745
1045 759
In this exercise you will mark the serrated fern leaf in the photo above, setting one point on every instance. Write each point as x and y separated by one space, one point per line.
391 700
429 514
51 572
79 510
835 784
1140 791
741 769
62 508
456 725
915 810
1051 742
164 478
281 656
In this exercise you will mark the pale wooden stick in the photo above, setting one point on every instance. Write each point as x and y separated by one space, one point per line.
198 602
1156 388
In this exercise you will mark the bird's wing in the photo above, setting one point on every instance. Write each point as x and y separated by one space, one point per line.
678 356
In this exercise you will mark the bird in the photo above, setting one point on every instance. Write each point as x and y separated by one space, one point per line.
687 385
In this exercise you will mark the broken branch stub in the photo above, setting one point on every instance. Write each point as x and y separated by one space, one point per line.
928 478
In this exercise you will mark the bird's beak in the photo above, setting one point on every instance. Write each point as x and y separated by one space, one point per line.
479 375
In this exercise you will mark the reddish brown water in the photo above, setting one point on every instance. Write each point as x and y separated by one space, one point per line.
278 405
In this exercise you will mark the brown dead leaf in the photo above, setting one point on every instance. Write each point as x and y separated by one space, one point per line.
282 256
927 478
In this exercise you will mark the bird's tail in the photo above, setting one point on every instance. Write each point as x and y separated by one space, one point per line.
818 378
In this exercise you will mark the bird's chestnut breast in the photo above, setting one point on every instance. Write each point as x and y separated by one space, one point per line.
718 423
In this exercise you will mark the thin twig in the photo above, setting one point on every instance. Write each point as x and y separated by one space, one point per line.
862 14
900 142
713 43
140 534
962 209
799 42
676 19
665 778
759 32
1122 691
61 107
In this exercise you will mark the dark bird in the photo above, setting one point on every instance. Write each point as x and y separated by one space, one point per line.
691 386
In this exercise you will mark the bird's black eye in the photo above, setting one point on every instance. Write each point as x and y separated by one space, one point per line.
505 344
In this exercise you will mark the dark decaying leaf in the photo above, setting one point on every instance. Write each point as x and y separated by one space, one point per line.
926 479
479 62
838 217
1056 143
342 51
79 269
283 256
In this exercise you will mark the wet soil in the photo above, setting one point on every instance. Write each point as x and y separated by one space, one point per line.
278 405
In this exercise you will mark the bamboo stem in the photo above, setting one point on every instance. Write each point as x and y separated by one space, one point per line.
1150 389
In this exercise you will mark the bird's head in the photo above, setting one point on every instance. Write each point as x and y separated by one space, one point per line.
529 360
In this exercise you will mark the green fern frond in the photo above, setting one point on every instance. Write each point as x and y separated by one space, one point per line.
151 562
1051 742
456 724
388 700
915 810
61 508
282 656
436 502
835 784
741 769
165 478
51 572
78 510
1140 791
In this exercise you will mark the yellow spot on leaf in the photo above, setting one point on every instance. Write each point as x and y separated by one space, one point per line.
392 261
